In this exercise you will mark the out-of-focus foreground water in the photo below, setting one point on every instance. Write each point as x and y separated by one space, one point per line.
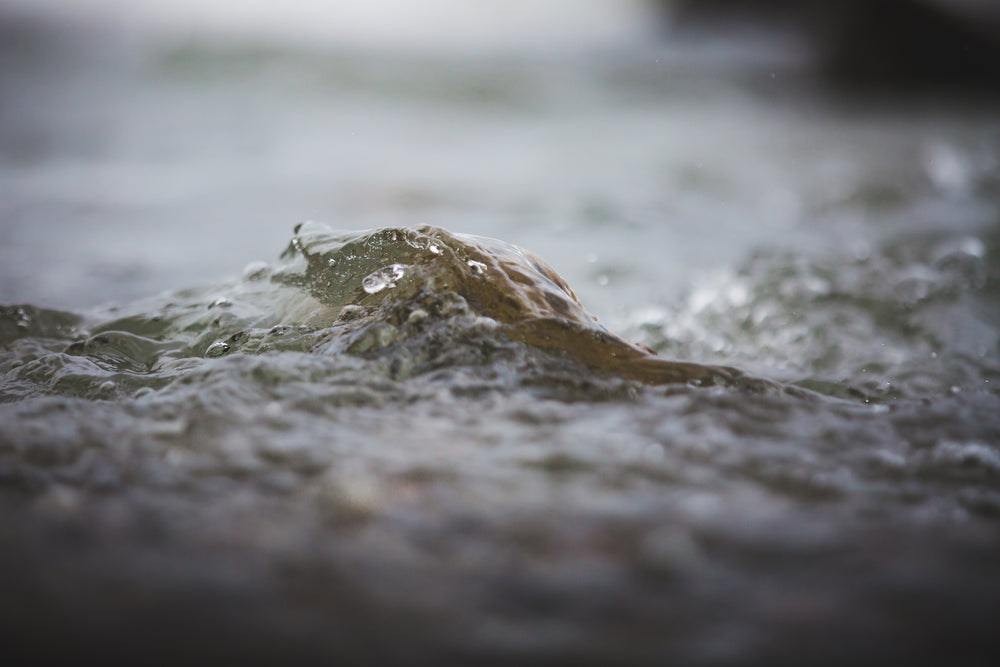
168 487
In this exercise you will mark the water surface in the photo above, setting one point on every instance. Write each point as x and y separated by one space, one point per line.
226 434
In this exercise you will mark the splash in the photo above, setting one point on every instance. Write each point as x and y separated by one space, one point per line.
399 282
404 302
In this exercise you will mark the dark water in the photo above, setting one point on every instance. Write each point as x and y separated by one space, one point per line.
409 444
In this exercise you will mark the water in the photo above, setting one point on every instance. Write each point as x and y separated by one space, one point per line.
225 434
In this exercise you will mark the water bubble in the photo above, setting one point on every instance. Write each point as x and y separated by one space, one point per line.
383 278
477 268
217 349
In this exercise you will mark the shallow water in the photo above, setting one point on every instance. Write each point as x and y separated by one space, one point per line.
222 437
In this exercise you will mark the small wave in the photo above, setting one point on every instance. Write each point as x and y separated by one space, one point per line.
408 301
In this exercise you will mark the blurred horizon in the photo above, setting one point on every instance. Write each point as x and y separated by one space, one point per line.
138 140
432 25
875 45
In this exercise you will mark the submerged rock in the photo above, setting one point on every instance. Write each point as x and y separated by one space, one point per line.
388 304
390 286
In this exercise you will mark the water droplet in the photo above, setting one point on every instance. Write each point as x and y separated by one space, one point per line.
603 280
477 268
221 302
217 349
383 278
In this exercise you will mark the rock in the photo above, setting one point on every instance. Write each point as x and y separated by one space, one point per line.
426 283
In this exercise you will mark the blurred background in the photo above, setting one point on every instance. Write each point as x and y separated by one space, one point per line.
633 143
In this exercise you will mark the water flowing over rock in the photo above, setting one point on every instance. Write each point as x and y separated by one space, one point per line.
415 280
421 435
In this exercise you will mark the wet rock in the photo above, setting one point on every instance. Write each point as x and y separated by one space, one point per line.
423 289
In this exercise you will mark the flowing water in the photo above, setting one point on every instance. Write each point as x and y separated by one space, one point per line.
226 435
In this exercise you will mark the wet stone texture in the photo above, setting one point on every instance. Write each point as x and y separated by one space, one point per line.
411 446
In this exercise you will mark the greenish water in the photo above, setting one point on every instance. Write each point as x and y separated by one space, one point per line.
224 439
